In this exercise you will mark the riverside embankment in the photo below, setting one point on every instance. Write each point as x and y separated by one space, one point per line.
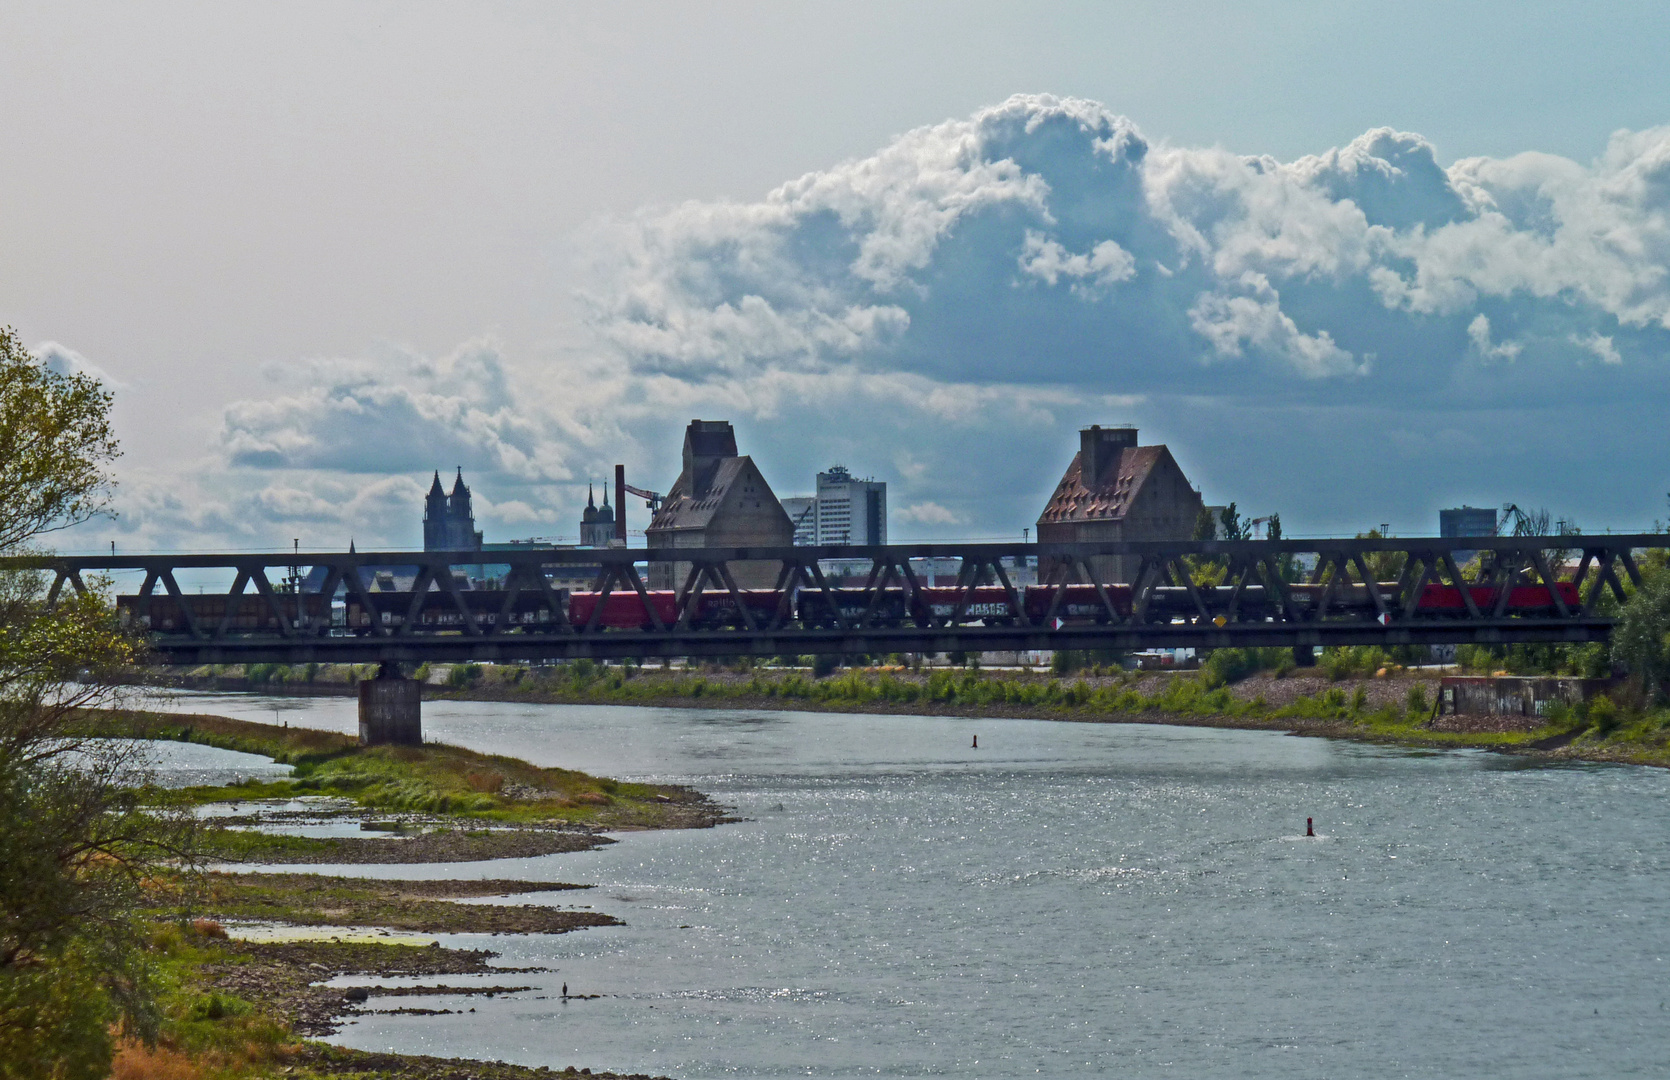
251 964
1068 899
1374 704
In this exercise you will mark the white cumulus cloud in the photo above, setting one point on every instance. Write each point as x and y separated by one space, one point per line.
945 311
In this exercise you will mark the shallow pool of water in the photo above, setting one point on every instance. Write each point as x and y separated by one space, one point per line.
1071 900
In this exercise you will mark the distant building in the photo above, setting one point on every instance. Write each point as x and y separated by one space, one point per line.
449 520
845 510
803 512
850 511
1116 490
719 500
1467 521
597 525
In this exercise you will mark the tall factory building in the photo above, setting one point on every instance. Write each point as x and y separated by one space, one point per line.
1116 490
449 520
719 500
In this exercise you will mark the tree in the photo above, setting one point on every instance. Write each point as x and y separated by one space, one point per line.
75 843
56 444
1641 639
1230 525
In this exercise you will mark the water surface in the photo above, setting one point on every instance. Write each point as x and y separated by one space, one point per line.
1070 900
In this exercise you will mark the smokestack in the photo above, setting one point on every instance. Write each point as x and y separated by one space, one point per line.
705 443
620 503
1100 449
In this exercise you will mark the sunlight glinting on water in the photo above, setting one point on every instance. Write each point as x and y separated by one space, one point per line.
1068 900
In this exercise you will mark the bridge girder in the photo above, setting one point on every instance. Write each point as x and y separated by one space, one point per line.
1340 603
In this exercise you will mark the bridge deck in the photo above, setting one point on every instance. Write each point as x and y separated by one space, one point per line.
1201 594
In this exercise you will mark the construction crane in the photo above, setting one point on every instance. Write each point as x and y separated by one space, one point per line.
652 499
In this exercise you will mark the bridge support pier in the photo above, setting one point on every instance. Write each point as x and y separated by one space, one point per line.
391 709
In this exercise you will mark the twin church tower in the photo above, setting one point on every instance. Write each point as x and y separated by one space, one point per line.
449 520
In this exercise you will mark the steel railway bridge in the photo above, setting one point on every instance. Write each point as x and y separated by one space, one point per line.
1200 594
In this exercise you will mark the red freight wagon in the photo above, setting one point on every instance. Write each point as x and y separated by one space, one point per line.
623 609
1521 598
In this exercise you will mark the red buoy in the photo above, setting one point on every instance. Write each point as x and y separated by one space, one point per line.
976 745
1308 830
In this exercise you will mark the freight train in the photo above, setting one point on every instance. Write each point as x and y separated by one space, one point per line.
812 608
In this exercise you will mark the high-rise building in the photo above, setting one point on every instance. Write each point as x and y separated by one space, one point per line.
449 520
849 511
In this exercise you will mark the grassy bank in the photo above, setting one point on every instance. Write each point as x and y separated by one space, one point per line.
1358 694
433 779
235 1010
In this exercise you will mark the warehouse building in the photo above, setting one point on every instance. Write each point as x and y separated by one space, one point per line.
719 500
1116 490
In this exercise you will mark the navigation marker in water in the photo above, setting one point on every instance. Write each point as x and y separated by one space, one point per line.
1308 830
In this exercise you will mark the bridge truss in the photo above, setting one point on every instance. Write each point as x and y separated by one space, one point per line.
1200 594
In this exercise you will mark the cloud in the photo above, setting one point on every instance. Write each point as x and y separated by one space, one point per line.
945 311
1478 332
1601 346
63 360
1106 265
929 513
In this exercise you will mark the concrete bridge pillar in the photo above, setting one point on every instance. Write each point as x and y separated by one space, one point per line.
391 709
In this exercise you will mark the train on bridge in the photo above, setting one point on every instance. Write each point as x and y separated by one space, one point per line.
810 607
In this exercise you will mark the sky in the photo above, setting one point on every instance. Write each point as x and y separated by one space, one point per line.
1351 262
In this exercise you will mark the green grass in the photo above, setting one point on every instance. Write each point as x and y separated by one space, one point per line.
432 779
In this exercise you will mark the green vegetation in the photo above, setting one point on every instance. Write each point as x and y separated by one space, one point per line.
431 779
75 842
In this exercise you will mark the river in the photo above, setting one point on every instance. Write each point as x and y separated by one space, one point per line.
1069 900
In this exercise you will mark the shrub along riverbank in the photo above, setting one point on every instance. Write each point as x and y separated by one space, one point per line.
1353 693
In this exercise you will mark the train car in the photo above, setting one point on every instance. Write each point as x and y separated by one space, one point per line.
718 610
812 607
1079 604
251 612
530 609
987 603
623 609
1522 599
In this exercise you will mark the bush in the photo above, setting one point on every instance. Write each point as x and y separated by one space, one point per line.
463 675
824 665
1604 714
1415 700
1066 661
